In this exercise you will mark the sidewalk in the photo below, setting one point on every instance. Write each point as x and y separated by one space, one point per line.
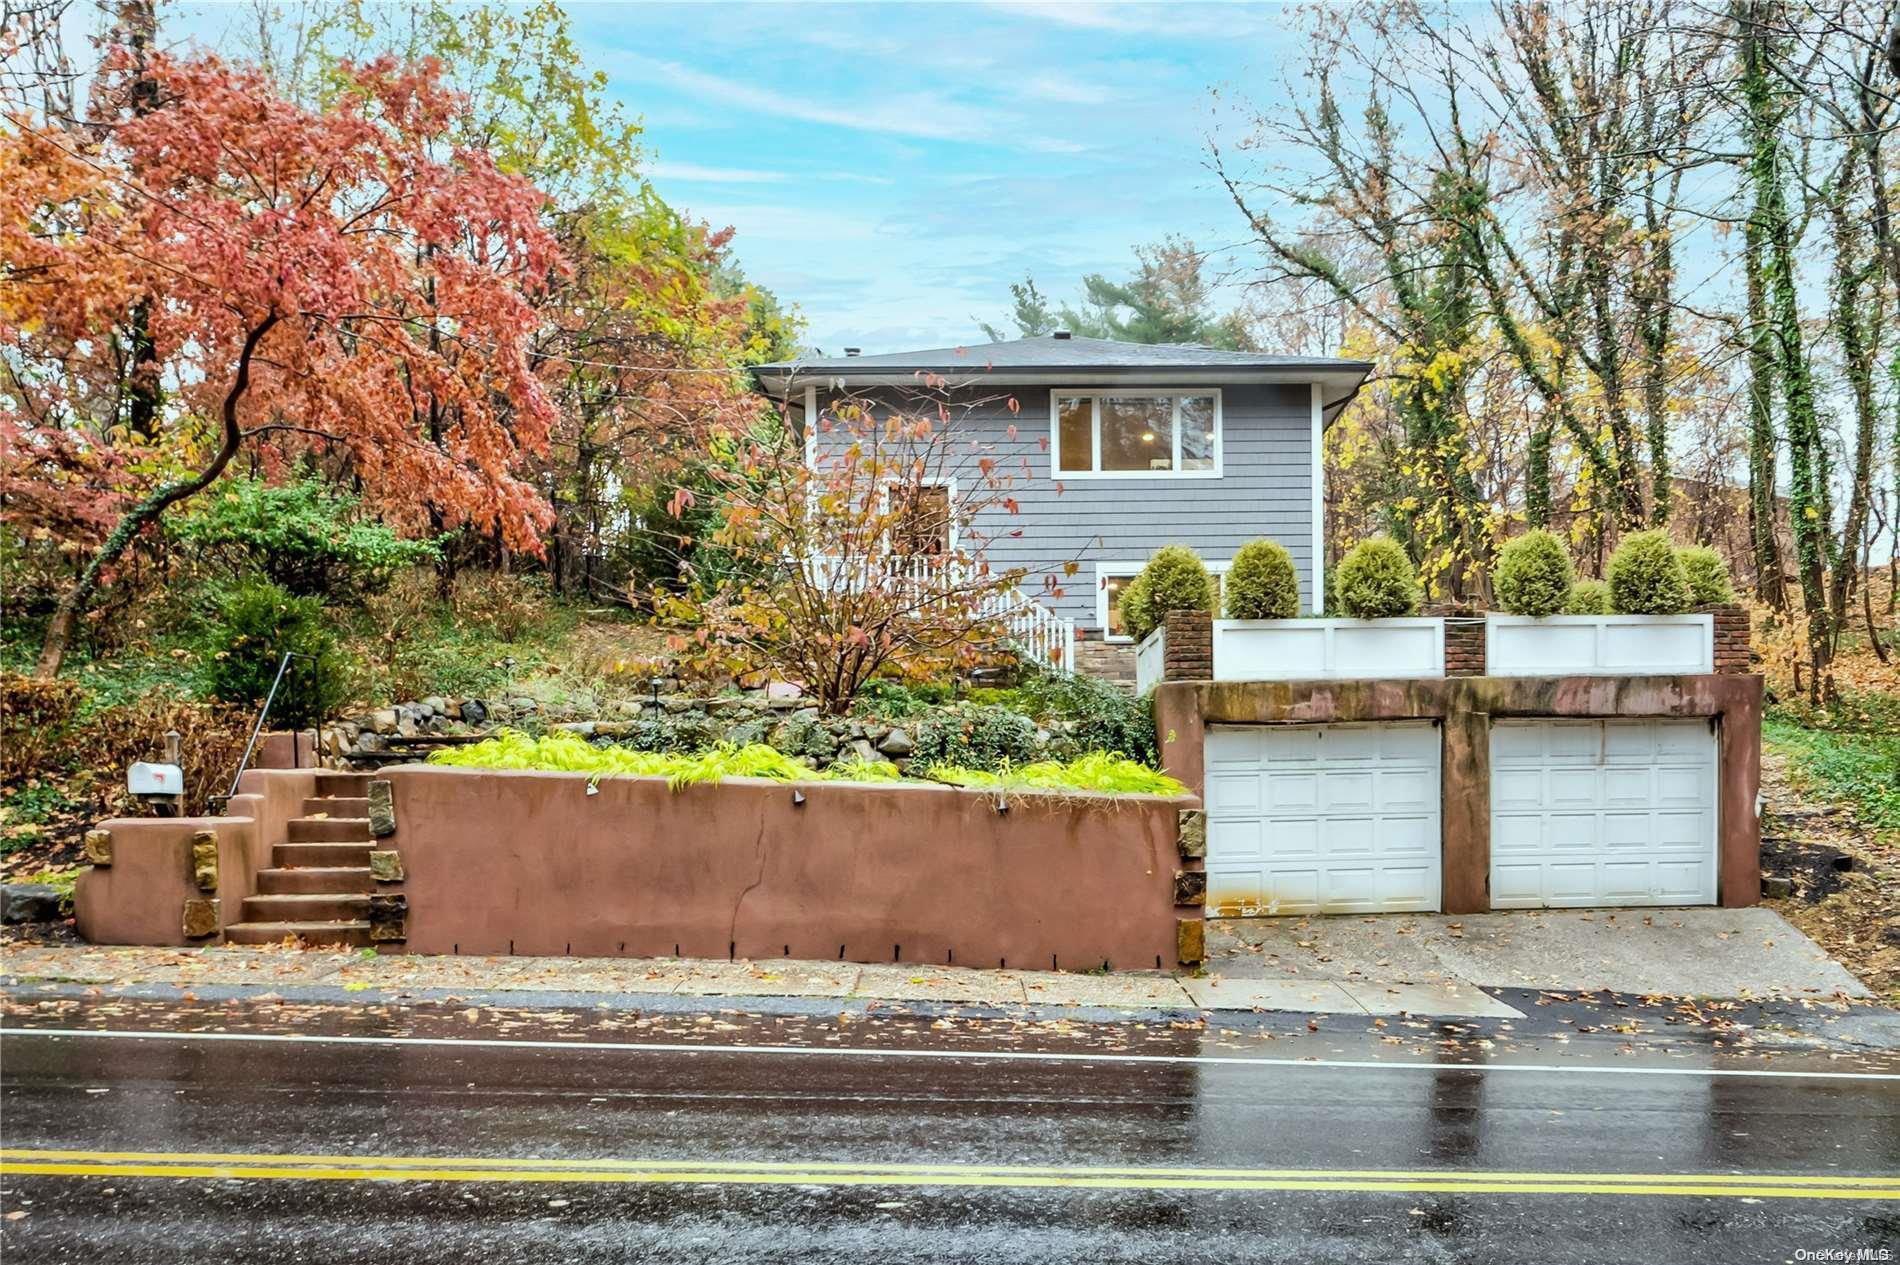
1424 965
270 968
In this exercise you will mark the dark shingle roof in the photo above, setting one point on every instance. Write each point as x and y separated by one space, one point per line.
1050 352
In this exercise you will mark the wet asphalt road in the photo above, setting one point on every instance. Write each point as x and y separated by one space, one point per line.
800 1157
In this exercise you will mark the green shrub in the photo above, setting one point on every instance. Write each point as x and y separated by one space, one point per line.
1706 575
256 623
667 732
1095 715
898 700
1646 576
1375 580
1588 597
1173 580
1533 575
1261 583
301 536
975 736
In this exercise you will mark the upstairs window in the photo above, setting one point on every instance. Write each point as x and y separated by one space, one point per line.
1137 434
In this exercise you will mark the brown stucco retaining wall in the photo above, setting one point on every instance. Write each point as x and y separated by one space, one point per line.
1465 707
499 861
140 898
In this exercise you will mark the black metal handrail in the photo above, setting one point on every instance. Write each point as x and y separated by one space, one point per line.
263 714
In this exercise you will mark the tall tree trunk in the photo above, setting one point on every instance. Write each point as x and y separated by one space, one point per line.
1855 331
1763 509
1808 501
136 31
78 599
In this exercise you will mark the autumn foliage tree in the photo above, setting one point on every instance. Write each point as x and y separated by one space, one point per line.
868 555
307 284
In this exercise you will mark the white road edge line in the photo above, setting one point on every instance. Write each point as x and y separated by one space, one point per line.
1013 1056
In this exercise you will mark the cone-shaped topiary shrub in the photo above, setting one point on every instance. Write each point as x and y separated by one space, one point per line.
1375 580
1173 580
1707 575
1646 577
1261 583
1588 597
1533 575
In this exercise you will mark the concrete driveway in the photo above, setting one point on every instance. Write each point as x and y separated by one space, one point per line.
1717 953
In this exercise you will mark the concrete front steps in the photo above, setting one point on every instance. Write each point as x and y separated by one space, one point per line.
317 889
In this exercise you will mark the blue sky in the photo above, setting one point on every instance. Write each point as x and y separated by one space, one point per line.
891 168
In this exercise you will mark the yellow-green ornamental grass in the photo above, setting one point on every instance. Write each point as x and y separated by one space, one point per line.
570 753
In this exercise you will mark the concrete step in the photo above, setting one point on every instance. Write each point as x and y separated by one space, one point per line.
329 783
302 855
327 830
306 907
320 879
335 806
350 933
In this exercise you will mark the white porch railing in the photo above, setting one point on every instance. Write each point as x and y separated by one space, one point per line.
1032 630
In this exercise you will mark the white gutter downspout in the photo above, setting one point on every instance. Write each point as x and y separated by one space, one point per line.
1319 506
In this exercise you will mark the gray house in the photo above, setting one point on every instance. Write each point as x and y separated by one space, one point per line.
1121 448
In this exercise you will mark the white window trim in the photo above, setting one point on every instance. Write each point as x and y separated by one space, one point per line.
1096 395
1105 571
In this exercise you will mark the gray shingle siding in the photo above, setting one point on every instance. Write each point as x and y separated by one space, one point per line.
1266 489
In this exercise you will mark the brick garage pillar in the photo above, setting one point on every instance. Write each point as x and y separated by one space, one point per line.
1732 651
1188 654
1465 812
1464 645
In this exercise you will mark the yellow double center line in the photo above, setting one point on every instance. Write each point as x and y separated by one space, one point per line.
292 1167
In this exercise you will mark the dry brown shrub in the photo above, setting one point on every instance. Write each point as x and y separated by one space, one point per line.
35 723
212 742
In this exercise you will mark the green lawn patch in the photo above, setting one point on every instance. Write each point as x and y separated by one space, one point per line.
1856 763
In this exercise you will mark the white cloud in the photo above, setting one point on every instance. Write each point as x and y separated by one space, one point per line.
697 174
1054 85
926 115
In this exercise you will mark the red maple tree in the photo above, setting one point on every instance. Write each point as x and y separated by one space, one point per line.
345 281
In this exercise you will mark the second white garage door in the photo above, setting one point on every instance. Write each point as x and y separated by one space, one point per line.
1602 813
1305 819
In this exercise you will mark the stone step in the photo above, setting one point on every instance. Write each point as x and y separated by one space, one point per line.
336 806
306 907
327 830
329 783
321 879
312 933
327 855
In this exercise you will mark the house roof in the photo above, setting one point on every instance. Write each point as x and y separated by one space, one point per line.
1058 359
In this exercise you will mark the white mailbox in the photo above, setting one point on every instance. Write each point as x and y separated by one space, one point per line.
155 779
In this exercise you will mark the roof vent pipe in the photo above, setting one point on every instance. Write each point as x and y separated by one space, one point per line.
1062 333
852 351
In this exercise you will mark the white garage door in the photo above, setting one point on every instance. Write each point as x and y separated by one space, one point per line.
1305 819
1602 813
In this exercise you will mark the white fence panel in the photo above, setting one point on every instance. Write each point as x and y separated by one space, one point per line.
1323 649
1599 645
